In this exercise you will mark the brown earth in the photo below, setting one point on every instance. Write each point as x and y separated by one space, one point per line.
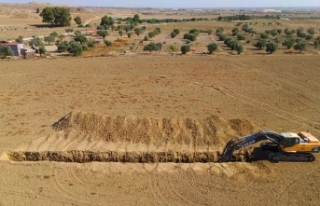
165 106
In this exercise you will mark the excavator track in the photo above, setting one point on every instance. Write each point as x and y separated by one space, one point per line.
290 157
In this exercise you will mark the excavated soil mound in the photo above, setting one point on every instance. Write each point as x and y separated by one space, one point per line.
86 137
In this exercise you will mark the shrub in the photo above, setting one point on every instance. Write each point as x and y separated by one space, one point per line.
232 44
239 48
146 38
62 46
173 48
102 33
222 37
177 31
288 42
185 48
300 46
108 43
190 36
271 47
152 47
212 47
173 34
75 48
6 51
264 36
241 37
261 44
226 41
42 50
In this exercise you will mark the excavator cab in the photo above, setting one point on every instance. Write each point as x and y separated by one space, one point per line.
290 144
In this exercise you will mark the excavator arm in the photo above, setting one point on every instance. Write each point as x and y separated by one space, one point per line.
241 142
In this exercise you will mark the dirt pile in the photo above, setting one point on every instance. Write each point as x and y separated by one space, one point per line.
86 137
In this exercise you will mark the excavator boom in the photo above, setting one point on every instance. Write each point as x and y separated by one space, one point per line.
241 142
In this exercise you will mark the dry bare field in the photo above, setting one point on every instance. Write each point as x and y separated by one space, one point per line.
147 129
153 104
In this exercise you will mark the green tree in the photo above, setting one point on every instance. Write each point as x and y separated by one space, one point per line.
232 44
137 31
311 31
309 37
129 34
19 39
69 30
57 16
107 21
261 44
299 30
102 33
241 37
48 15
177 31
212 47
235 31
120 32
36 41
6 51
151 34
226 41
278 41
75 48
302 35
271 47
62 46
264 36
158 30
136 18
42 50
80 38
279 31
219 30
288 42
185 48
152 47
107 43
54 34
78 20
274 33
61 37
37 10
191 37
222 37
210 31
77 33
301 45
50 38
173 34
239 48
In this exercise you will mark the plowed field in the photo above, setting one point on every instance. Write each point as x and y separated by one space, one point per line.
148 130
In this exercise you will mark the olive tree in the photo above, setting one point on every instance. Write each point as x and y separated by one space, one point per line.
212 47
75 48
185 48
271 47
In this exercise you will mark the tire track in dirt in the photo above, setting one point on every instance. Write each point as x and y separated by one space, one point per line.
32 196
263 106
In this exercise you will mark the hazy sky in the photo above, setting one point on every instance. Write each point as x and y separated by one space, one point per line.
180 3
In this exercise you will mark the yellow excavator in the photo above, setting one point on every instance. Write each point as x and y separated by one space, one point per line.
295 147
